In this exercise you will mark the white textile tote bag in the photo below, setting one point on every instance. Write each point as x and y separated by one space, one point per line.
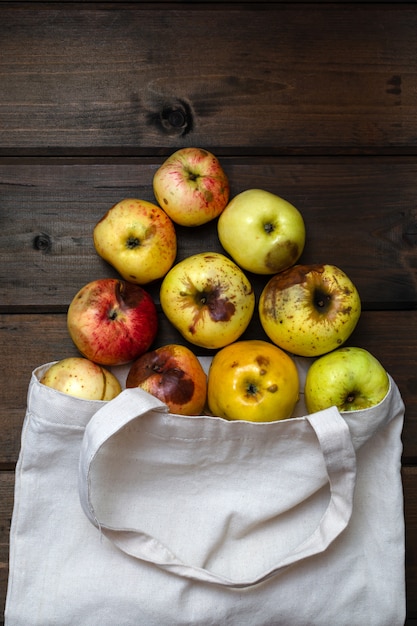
126 515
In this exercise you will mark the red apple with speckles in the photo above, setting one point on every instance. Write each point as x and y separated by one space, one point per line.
208 299
112 321
191 186
173 374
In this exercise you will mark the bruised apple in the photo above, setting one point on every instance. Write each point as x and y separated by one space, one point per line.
112 321
208 299
191 186
138 239
173 374
261 231
81 378
252 380
309 309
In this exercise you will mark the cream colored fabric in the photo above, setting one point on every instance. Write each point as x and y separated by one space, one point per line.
125 514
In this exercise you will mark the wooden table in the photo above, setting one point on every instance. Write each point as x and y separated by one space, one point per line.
315 102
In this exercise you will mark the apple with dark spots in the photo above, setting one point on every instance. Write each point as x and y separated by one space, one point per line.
174 375
252 380
81 378
208 299
112 321
191 186
138 239
262 232
309 310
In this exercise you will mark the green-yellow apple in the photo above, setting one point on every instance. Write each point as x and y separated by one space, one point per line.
309 310
191 186
81 378
208 298
112 321
173 374
252 380
348 378
262 232
138 239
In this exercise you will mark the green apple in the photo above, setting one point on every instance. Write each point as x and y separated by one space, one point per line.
349 378
208 299
262 232
138 239
309 309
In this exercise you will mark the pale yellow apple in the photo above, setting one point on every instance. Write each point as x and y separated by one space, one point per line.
252 380
208 299
81 378
261 231
309 310
349 378
138 239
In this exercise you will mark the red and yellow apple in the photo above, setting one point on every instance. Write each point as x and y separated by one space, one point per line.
262 232
309 310
348 378
208 299
138 239
81 378
191 186
252 380
112 321
173 374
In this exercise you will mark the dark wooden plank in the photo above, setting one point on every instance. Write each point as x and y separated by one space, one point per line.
410 492
6 509
31 340
360 214
288 77
409 475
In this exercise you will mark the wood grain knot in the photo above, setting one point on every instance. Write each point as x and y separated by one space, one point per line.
42 242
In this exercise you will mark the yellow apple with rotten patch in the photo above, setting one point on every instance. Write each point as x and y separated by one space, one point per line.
309 310
252 380
208 299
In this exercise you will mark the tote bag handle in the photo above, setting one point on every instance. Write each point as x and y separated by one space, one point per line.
339 457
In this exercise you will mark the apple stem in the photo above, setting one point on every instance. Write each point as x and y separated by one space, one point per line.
192 175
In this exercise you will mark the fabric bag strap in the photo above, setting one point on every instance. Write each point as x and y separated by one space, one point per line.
339 457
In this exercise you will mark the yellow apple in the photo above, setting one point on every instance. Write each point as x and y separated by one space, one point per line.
173 374
252 380
349 378
262 232
81 378
208 299
309 310
191 186
138 239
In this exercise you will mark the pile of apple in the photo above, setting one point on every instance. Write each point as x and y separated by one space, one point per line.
305 310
